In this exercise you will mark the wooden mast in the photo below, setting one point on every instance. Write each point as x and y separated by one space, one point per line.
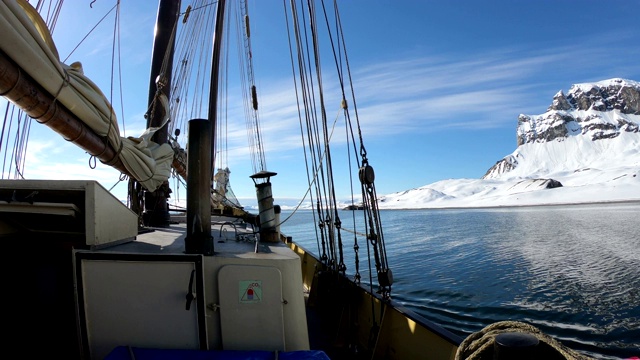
156 209
215 72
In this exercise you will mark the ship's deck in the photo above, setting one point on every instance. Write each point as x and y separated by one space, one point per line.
231 237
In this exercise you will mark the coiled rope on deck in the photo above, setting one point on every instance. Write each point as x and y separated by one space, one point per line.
479 345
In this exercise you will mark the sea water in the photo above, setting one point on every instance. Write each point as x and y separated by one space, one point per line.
572 271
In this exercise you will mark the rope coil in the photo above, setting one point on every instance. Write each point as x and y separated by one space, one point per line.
480 345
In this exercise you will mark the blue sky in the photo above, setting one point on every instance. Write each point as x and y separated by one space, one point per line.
439 84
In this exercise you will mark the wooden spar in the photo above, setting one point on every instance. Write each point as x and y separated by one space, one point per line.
18 87
179 164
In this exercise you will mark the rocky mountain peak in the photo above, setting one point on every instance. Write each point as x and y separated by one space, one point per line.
595 111
614 94
560 102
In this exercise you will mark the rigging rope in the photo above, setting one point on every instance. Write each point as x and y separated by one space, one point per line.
251 96
14 163
189 93
116 42
304 42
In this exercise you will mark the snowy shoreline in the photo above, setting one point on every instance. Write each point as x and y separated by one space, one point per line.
612 202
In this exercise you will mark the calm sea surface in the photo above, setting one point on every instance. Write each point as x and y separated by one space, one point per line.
572 271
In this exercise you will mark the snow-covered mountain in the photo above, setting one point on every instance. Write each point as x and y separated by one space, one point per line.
585 148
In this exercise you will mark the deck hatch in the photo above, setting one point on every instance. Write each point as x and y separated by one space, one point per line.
251 306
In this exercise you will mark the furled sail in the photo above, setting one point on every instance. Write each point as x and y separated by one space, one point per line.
222 193
27 41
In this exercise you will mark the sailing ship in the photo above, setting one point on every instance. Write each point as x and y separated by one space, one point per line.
101 279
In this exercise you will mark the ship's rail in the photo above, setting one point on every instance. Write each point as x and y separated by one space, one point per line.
366 323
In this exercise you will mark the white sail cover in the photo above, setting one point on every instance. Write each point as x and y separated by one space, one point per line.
223 195
26 39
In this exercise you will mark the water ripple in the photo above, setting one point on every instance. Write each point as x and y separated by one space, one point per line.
574 272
